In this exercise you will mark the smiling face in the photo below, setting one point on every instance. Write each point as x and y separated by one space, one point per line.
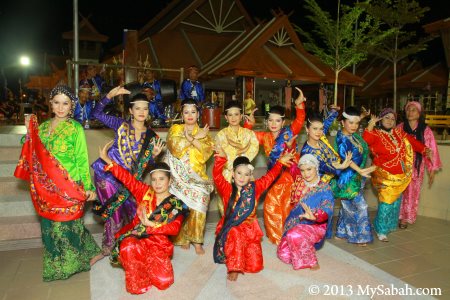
139 110
349 126
242 175
160 181
233 116
388 121
309 173
61 106
275 122
315 131
190 114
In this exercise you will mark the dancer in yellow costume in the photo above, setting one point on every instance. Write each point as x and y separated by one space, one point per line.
189 149
235 140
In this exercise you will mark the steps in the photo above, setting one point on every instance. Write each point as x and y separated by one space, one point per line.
19 224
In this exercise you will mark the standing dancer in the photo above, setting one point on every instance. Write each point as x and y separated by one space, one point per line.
392 151
55 160
275 142
235 140
416 126
353 223
135 146
190 147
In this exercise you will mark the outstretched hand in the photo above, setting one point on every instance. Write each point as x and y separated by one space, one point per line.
308 213
287 158
118 90
291 141
158 146
202 133
219 151
300 99
366 172
251 117
103 152
364 113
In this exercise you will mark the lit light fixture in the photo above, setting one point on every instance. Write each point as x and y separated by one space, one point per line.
24 60
265 78
273 81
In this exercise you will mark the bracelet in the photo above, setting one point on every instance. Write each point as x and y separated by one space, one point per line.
109 166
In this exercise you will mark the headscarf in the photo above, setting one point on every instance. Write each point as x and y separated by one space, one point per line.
67 91
310 160
387 111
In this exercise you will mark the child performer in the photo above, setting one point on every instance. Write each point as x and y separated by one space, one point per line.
142 246
238 235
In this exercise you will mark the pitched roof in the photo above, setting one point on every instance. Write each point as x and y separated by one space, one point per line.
86 32
432 76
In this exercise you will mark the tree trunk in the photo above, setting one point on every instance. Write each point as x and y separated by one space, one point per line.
336 76
394 100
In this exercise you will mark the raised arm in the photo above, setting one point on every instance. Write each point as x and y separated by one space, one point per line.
110 121
136 187
329 120
222 185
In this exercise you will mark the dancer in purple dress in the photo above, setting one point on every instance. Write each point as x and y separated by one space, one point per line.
135 146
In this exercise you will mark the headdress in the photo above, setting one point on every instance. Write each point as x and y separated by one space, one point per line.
67 91
310 160
351 118
414 103
387 111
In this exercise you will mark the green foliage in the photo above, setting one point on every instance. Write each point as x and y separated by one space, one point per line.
339 43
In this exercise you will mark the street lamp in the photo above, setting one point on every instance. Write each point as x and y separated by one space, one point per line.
24 62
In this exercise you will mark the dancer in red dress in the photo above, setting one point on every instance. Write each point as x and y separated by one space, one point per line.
238 235
142 246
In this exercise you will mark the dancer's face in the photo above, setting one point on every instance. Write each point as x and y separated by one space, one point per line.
234 116
61 105
350 126
242 175
388 121
309 173
160 181
139 110
315 131
190 114
275 122
412 113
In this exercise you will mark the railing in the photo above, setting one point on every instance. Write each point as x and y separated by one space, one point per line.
439 121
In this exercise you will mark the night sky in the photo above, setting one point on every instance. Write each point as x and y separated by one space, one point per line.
33 27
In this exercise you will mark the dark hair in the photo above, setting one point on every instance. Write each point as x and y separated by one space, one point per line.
234 190
418 133
240 160
313 117
189 101
158 165
352 111
277 109
231 104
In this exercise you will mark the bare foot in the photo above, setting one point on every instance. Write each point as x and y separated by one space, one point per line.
362 245
199 249
96 259
338 238
232 276
185 247
315 267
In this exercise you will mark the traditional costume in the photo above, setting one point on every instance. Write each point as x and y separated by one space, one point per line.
393 155
56 164
353 222
189 180
117 206
156 107
238 235
145 251
302 236
411 196
276 202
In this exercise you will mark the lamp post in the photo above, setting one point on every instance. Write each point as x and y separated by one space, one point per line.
24 62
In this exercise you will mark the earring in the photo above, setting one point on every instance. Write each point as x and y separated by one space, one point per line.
132 117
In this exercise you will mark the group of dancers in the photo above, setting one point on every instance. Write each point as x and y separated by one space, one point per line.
154 194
